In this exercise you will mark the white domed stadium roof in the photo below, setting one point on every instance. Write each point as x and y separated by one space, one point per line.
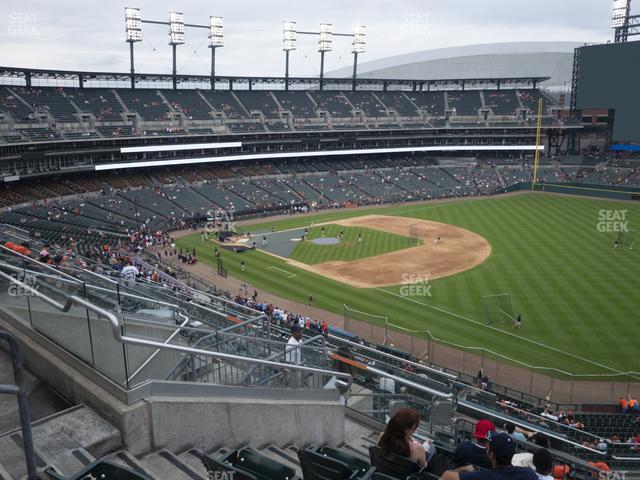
494 60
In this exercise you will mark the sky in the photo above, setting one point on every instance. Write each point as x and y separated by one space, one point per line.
89 35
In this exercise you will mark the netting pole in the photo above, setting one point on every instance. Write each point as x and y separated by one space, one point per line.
571 392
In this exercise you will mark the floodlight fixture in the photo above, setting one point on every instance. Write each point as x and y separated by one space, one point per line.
619 13
359 35
133 22
289 35
176 28
326 31
216 36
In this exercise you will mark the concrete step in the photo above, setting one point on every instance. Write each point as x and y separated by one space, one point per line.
4 474
42 400
12 456
360 452
56 437
284 457
166 465
191 458
70 461
124 458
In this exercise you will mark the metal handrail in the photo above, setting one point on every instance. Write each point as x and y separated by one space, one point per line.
116 330
157 350
551 421
20 391
526 426
385 354
43 265
411 384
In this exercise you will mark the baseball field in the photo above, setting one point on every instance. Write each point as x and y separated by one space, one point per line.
549 258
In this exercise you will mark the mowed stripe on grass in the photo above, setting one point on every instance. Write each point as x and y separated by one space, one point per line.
575 293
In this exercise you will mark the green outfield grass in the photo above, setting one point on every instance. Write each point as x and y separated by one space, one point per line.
578 297
373 242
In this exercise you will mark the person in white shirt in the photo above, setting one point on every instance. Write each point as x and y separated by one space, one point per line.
293 352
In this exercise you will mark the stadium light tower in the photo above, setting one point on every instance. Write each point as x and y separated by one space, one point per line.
289 40
620 18
133 27
176 37
358 47
324 46
216 40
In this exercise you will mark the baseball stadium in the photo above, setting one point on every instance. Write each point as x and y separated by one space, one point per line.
420 266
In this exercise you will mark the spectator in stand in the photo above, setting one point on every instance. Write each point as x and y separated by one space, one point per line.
44 253
560 472
22 249
129 273
543 462
501 449
293 353
624 405
514 433
397 437
475 453
525 459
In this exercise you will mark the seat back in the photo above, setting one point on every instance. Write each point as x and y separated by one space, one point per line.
318 467
354 462
263 467
100 469
391 464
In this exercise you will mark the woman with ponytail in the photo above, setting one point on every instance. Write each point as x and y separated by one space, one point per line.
397 437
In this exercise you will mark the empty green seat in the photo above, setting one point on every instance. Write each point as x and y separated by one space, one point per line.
354 462
247 464
319 467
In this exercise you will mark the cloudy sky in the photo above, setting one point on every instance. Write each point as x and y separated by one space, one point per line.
89 34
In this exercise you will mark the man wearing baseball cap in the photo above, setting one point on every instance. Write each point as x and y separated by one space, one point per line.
475 453
500 451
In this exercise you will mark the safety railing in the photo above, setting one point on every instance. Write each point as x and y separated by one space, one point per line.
20 391
117 334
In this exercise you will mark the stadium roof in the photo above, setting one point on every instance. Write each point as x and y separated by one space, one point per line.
486 60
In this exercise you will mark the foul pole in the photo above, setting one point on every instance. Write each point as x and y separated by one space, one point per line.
537 156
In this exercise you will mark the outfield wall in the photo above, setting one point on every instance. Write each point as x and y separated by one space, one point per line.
583 189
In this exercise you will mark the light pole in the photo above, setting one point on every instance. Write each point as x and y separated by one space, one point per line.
324 46
358 47
176 37
216 40
289 37
133 28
